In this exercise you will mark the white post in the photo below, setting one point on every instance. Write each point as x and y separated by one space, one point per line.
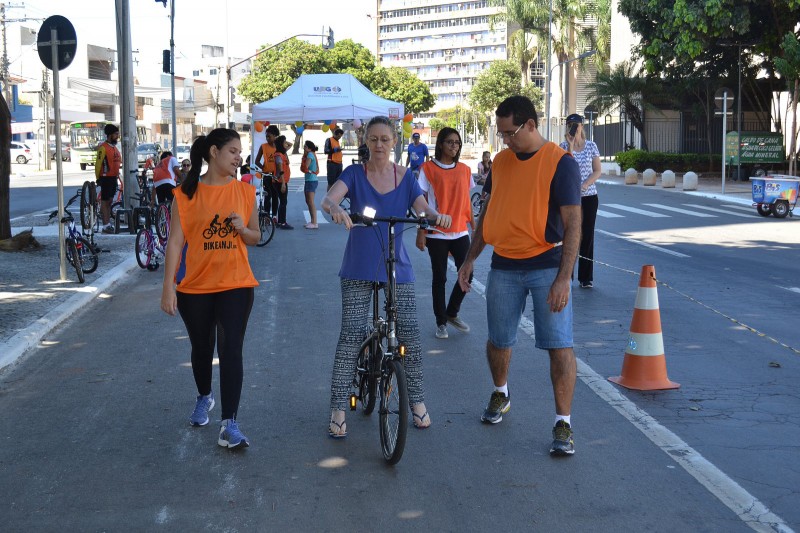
724 137
62 252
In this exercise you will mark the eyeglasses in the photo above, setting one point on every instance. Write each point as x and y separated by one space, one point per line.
185 166
504 134
452 143
382 140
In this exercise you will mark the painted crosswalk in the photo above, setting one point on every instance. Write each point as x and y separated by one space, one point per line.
666 211
652 214
683 211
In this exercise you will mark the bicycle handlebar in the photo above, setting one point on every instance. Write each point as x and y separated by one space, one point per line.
422 222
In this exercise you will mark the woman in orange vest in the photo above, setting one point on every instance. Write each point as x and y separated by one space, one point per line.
282 175
446 184
207 276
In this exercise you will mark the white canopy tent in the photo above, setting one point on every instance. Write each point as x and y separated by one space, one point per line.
322 97
319 97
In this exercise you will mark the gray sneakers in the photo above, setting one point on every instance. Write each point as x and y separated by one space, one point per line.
441 331
563 444
459 324
499 404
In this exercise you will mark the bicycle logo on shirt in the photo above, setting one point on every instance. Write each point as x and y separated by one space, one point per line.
221 230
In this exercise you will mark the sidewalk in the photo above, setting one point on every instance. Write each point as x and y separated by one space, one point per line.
34 301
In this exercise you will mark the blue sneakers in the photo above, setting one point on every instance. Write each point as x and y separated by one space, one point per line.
230 436
201 408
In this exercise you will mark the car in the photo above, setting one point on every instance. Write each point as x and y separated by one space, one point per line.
147 151
65 151
21 152
182 151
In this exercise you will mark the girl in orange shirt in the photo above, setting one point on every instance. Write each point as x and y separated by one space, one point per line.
213 219
282 173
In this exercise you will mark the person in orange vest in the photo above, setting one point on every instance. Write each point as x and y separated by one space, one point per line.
165 178
334 152
265 160
532 219
282 172
207 274
446 184
106 172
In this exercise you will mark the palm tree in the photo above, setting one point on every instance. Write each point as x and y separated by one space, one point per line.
623 89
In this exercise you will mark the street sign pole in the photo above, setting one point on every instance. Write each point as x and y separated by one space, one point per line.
724 137
62 252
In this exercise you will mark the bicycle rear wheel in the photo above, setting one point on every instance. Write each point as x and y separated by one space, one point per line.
87 210
74 259
267 227
366 379
87 254
393 411
476 203
145 248
162 222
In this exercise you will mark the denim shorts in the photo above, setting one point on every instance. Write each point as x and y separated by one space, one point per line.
506 294
310 186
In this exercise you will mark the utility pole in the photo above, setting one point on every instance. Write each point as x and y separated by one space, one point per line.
4 66
45 100
127 106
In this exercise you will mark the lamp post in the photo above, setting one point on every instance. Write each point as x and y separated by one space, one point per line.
327 45
550 75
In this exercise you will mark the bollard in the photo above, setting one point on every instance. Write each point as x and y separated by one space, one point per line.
649 177
690 181
668 179
631 177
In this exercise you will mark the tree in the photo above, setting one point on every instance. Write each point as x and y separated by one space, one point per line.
453 118
498 82
5 169
623 89
788 66
276 69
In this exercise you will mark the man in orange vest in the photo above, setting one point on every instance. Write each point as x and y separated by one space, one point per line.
334 152
533 220
265 160
106 171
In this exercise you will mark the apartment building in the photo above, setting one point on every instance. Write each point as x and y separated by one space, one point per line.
446 44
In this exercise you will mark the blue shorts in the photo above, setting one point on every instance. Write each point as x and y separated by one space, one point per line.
310 186
506 293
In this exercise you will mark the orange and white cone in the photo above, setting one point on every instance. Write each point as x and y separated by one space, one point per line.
645 366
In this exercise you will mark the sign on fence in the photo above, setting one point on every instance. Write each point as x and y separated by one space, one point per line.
755 147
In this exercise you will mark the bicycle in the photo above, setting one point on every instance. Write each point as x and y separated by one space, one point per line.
261 182
149 249
380 372
81 253
477 199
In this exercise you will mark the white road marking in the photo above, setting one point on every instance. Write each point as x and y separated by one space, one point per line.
749 209
684 211
715 210
608 214
746 506
792 289
640 243
652 214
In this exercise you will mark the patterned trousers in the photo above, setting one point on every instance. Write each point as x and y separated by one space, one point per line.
356 299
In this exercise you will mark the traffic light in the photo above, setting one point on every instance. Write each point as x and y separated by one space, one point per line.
233 97
167 62
163 2
330 38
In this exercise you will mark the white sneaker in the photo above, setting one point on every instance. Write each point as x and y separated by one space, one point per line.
441 332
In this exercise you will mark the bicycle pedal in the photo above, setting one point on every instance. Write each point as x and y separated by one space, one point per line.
353 402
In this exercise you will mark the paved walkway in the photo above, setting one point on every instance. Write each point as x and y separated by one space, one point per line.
34 301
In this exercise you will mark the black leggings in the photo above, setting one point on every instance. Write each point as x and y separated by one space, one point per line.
220 316
274 191
589 205
438 249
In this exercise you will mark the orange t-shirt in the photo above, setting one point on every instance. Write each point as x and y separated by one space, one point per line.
516 218
215 257
268 165
451 189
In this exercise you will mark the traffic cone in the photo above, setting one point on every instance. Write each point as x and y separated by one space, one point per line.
645 366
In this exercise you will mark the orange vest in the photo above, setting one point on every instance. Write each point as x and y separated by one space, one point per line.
112 161
451 189
335 157
516 217
287 171
216 257
161 172
268 166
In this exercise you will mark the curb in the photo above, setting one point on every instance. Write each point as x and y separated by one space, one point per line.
29 337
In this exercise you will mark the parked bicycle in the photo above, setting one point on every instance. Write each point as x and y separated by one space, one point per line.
261 181
81 253
477 199
380 373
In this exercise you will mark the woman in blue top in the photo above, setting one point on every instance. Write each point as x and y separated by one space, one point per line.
391 190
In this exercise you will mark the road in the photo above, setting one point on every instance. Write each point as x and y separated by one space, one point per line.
34 191
97 435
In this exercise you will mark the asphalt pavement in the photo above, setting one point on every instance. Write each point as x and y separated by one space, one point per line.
96 388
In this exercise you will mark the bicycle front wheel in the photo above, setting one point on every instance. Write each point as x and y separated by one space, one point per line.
476 203
74 259
267 228
393 411
87 254
145 248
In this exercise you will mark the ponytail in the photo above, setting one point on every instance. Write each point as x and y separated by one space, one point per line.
200 151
